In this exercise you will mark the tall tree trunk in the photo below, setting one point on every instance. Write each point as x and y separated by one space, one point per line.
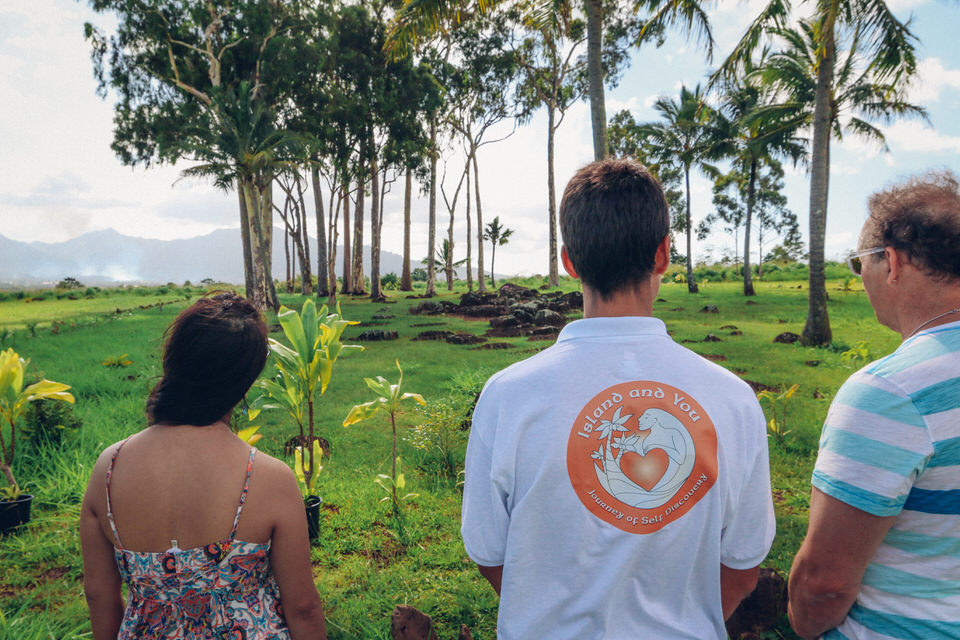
481 276
359 287
817 328
406 283
493 258
691 280
322 284
266 226
375 213
252 199
306 272
286 259
345 285
332 247
432 231
248 279
759 246
598 114
554 274
448 266
469 232
751 196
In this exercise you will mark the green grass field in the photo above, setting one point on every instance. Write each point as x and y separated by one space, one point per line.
361 569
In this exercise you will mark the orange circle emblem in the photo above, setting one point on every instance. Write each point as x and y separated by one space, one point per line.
641 454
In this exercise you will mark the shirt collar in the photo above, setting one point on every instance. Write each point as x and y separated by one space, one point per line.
606 327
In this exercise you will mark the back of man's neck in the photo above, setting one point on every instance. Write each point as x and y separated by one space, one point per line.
629 301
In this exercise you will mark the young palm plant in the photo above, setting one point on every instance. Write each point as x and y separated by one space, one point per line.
389 399
302 370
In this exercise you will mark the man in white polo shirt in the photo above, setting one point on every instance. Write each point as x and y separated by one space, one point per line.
882 554
617 484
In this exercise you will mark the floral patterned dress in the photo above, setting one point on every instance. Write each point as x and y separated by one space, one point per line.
223 590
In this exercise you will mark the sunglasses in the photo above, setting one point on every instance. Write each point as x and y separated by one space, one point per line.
855 261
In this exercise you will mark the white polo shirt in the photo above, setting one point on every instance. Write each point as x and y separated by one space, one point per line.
611 475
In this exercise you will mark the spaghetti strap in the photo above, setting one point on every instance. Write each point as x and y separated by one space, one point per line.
113 525
243 494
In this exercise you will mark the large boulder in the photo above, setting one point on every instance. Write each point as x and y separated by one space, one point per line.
427 308
484 310
548 317
574 299
504 321
510 290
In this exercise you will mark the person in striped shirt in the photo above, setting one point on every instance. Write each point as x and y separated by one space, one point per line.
881 558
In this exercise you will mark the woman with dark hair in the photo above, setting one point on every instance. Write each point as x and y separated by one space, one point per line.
208 534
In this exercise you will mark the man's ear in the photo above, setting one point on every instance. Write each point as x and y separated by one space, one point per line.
661 260
895 264
565 259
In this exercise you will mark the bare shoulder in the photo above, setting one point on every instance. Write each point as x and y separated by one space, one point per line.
273 473
95 498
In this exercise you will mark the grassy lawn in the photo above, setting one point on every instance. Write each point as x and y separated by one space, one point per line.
360 567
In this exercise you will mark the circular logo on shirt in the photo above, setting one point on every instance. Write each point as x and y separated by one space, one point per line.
641 454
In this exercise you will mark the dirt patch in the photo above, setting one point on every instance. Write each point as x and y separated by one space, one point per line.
812 363
543 336
495 345
465 338
714 357
434 335
429 324
787 337
377 335
759 386
330 507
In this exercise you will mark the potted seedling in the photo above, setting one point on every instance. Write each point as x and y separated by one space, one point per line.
303 371
14 399
308 486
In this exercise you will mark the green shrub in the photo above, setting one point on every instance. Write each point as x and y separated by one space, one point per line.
46 421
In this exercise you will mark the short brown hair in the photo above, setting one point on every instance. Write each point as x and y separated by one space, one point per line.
612 217
920 217
214 351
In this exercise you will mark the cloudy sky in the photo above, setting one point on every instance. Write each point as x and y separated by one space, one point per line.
59 179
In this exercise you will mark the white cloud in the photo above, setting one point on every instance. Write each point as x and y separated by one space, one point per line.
917 137
933 79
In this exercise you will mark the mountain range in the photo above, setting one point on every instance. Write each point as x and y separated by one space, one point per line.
108 257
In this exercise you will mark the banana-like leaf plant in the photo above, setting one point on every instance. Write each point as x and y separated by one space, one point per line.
302 370
389 399
14 399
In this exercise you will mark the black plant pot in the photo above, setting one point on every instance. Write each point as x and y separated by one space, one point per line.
14 513
312 505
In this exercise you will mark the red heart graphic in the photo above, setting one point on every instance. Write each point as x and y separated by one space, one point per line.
646 470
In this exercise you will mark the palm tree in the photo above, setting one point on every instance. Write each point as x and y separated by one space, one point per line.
420 19
444 259
498 235
242 146
885 58
759 133
686 137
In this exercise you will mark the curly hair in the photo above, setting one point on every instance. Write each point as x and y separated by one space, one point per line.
214 351
920 217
